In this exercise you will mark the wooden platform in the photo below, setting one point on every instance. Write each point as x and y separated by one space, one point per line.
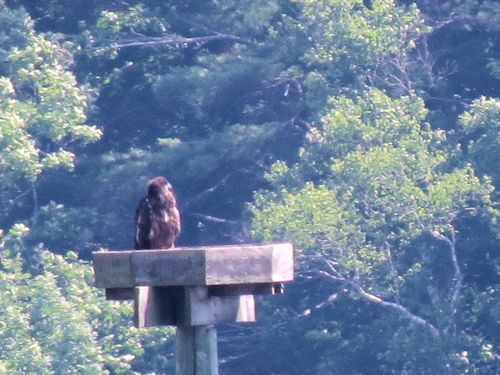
194 286
193 289
209 265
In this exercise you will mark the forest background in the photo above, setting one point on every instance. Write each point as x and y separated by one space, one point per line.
367 132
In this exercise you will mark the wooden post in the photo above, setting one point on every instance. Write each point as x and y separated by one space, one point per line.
194 289
196 350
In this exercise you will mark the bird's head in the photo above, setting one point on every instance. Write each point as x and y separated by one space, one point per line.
161 189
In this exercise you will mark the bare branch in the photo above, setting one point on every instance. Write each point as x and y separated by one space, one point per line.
330 276
474 21
170 40
205 193
331 265
331 299
393 270
395 307
213 219
458 276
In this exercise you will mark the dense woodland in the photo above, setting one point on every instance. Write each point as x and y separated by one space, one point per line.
366 132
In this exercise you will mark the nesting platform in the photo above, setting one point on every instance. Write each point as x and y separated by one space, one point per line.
194 286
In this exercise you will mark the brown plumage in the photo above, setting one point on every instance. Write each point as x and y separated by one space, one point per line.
157 219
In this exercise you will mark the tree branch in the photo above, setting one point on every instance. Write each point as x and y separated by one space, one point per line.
331 299
458 276
205 193
393 306
393 270
213 219
169 40
471 20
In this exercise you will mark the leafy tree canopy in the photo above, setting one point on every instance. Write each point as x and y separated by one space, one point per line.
42 111
377 196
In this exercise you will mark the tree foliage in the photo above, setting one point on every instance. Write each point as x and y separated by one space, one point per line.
481 125
372 184
56 322
42 108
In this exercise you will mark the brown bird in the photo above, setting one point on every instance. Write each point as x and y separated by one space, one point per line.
157 219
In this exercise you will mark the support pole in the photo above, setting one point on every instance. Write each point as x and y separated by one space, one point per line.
196 350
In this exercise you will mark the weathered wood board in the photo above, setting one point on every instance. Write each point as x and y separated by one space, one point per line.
196 350
189 306
197 266
124 294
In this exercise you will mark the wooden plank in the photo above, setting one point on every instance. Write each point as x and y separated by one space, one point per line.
141 305
246 309
196 350
157 306
206 350
120 294
253 265
112 271
201 309
249 264
213 265
241 289
184 350
283 260
168 267
189 306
